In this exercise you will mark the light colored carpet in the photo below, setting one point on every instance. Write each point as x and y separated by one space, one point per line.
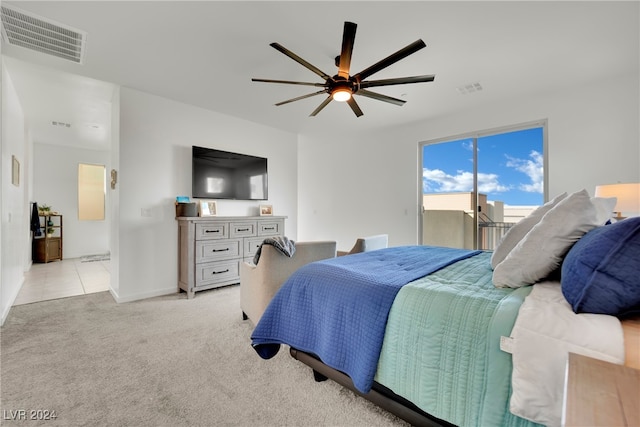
165 361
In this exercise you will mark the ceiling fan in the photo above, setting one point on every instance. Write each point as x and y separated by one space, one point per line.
343 86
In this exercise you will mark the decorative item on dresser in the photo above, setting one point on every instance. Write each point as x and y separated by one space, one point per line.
266 210
208 208
211 249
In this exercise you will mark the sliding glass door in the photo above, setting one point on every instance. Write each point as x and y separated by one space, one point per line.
476 186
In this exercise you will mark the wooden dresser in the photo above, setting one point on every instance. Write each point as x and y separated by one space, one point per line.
211 248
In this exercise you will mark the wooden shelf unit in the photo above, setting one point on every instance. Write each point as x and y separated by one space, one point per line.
48 246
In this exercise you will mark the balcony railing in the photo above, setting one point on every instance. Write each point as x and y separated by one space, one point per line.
455 229
490 233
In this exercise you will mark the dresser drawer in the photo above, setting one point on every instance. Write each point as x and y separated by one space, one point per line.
242 229
212 231
217 272
270 228
251 246
212 250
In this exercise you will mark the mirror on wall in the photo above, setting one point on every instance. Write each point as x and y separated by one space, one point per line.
91 192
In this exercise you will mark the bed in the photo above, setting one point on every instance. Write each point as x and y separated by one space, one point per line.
429 333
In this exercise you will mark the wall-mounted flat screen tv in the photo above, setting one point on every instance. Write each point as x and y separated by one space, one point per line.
221 174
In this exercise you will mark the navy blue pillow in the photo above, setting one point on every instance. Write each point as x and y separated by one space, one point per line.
601 272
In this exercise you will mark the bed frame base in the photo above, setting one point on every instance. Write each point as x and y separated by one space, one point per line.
379 395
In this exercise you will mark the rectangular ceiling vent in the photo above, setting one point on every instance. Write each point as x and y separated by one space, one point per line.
24 29
469 88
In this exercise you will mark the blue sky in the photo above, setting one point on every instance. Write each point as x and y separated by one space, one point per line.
510 167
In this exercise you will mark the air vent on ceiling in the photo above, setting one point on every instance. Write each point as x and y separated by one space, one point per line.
469 88
24 29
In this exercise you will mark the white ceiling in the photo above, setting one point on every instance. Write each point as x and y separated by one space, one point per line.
205 53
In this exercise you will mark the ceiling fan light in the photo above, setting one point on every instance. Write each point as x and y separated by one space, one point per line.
341 94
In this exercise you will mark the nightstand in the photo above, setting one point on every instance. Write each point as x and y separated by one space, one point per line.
599 393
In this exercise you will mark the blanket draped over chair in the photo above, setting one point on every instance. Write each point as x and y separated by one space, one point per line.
281 243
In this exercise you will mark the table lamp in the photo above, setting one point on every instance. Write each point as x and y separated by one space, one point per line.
628 196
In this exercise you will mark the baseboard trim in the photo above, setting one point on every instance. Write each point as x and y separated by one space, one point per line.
143 295
12 300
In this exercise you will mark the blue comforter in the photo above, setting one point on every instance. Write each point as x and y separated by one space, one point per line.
319 309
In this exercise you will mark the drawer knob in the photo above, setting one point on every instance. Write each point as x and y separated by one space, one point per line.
243 229
220 272
269 228
211 231
220 250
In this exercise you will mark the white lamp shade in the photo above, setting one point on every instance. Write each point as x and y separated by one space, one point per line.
628 196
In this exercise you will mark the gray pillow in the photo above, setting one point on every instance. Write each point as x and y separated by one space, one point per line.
518 231
542 250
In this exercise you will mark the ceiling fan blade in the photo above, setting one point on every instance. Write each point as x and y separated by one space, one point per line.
380 97
354 106
300 60
300 97
397 81
348 38
321 106
289 82
389 60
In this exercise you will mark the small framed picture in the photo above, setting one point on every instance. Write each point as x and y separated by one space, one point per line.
266 210
209 208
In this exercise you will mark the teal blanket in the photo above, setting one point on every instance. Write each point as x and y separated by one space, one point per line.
442 345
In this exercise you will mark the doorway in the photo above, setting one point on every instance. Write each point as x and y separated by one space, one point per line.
474 187
53 150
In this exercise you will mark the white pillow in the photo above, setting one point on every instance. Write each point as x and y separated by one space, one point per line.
541 251
518 231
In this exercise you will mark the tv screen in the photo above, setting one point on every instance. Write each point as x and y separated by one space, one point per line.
221 174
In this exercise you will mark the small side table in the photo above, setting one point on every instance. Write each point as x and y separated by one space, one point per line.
599 393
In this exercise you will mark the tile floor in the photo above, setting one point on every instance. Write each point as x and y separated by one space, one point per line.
60 279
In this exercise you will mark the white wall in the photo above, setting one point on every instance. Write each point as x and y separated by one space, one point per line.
15 215
156 135
368 183
356 185
55 183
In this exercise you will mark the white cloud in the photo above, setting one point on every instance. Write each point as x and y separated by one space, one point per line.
436 180
533 168
489 183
